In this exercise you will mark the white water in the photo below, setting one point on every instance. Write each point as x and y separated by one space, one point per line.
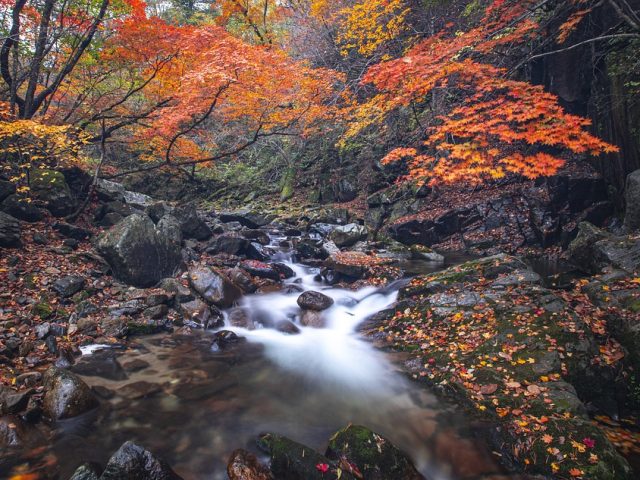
334 354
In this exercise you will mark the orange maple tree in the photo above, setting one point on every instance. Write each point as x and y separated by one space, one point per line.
494 125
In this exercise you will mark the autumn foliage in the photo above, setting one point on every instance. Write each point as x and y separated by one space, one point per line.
191 94
495 125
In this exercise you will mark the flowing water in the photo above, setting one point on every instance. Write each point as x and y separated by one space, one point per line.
193 404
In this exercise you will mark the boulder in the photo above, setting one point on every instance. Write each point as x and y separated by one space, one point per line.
246 218
158 210
72 231
177 290
632 195
240 278
110 211
594 249
228 243
214 287
348 235
199 314
111 191
68 286
259 236
66 395
260 269
85 472
256 251
50 187
374 456
6 188
581 250
314 301
284 270
288 327
139 253
244 465
21 209
9 231
191 224
225 339
133 462
170 228
293 461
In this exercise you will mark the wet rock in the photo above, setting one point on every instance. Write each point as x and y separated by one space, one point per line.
191 223
375 456
225 339
141 389
85 472
21 209
285 326
314 301
138 253
309 248
72 231
239 317
68 286
135 365
199 314
312 318
256 251
260 269
13 402
240 278
420 252
632 195
133 462
284 270
156 312
348 235
231 244
9 231
293 461
16 433
594 249
244 465
214 287
66 395
102 364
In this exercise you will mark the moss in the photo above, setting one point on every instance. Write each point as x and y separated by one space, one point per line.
375 456
42 310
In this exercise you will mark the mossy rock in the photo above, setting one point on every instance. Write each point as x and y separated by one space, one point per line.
293 461
374 455
51 187
42 310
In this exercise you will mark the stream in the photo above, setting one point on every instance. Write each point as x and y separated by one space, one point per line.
193 403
